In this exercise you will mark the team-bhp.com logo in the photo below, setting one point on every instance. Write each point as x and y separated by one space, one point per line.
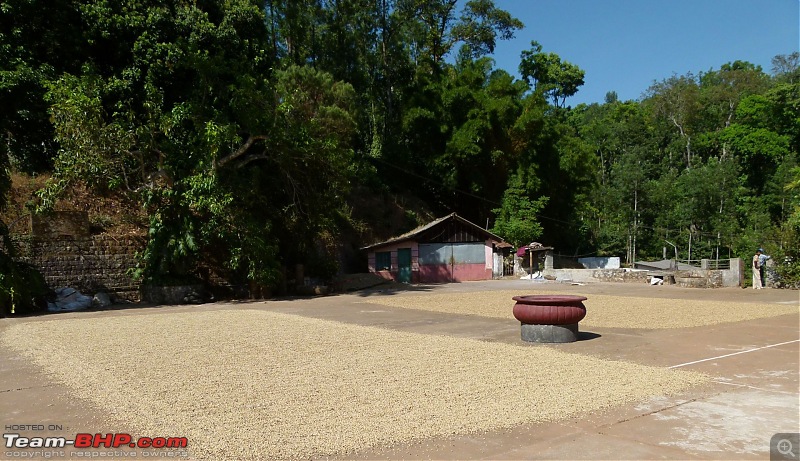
95 441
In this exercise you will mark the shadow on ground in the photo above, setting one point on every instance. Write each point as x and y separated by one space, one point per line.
588 336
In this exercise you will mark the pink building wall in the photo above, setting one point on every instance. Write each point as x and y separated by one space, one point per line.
440 273
393 274
436 273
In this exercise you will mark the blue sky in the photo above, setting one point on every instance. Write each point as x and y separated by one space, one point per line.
625 45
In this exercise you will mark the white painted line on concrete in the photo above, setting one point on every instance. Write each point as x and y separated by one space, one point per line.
735 353
756 388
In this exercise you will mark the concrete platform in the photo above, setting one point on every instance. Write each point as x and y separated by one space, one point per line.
754 392
549 333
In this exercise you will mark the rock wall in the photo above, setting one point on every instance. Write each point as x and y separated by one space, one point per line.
700 278
696 278
59 224
87 263
597 275
620 275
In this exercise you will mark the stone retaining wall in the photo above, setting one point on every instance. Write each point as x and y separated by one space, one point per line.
89 264
696 278
691 279
597 275
699 278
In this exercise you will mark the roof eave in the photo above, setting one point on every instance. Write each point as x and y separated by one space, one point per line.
415 232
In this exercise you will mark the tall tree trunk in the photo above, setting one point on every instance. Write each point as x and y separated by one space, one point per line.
688 141
635 224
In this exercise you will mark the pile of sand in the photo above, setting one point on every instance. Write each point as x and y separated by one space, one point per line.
601 310
261 385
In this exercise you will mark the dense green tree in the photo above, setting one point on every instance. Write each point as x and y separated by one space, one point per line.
479 105
38 41
786 67
241 125
718 155
705 206
185 111
550 75
517 218
789 250
722 90
480 26
675 102
784 104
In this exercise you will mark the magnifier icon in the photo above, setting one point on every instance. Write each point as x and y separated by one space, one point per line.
785 448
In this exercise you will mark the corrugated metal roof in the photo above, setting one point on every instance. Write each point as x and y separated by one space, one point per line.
421 229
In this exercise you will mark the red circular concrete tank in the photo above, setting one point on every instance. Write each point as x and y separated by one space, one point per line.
549 309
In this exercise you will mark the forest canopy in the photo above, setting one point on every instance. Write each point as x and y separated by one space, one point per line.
249 133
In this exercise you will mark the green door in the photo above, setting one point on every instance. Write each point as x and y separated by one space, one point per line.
404 265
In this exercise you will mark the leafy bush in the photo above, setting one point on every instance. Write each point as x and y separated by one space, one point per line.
22 287
788 273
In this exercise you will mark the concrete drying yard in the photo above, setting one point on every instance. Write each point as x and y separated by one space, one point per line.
428 372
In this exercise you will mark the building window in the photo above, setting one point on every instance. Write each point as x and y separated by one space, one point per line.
383 261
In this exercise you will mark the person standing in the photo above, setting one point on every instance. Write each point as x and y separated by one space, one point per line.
762 266
756 265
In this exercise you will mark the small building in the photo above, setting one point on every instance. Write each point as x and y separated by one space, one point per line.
449 249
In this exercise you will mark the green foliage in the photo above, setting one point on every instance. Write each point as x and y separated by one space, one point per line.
5 185
785 109
226 155
481 23
517 219
789 255
22 287
38 41
701 162
550 75
241 126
